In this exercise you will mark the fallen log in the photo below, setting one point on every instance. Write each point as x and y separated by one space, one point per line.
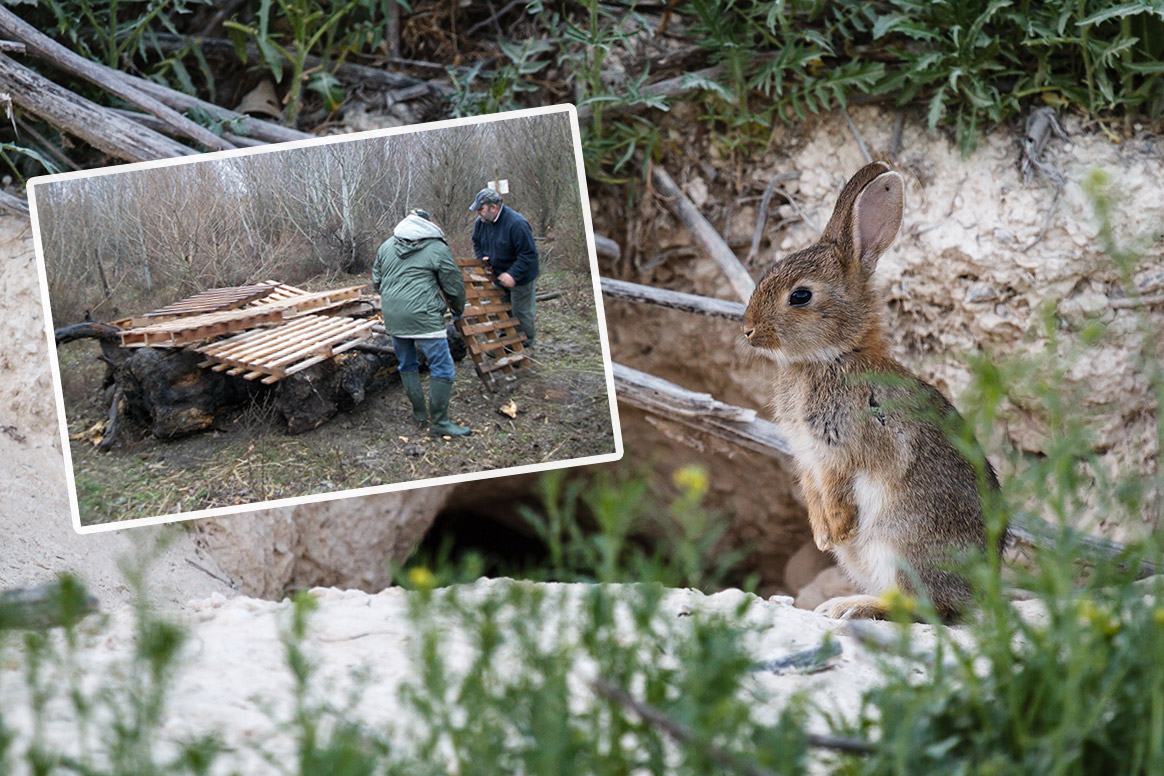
676 300
101 128
267 131
45 48
699 411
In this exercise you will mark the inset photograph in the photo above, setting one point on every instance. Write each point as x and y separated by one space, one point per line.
358 313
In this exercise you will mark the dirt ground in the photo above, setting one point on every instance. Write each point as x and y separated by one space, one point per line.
563 413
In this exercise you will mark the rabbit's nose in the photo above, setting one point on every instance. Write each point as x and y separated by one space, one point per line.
750 333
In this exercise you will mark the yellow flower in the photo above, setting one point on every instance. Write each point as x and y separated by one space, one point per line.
1099 618
897 601
692 479
421 578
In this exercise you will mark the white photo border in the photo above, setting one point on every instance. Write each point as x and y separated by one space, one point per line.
355 492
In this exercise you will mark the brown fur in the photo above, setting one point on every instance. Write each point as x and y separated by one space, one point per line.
885 489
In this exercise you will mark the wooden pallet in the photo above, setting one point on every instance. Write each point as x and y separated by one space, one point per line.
209 301
489 327
282 303
276 352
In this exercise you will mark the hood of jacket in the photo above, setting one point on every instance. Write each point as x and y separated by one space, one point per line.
414 229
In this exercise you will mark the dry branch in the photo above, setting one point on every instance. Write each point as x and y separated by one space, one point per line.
762 216
101 128
726 759
14 205
704 233
606 247
45 48
157 125
257 128
698 411
1033 531
676 300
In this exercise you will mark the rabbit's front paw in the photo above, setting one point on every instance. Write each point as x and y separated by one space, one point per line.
853 607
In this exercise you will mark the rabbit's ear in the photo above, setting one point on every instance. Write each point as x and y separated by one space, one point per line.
867 215
877 217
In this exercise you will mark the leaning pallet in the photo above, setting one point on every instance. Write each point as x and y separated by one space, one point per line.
488 327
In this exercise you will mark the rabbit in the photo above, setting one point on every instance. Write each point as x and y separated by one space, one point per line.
886 491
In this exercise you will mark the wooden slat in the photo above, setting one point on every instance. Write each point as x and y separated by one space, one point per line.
485 347
479 328
489 292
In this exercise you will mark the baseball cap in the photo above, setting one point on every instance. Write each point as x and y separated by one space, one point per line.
485 197
422 213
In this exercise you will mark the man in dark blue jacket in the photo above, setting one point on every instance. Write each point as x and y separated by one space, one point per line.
502 237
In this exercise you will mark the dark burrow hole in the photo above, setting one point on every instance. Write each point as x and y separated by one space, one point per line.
505 547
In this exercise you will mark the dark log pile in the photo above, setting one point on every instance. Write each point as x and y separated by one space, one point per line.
165 390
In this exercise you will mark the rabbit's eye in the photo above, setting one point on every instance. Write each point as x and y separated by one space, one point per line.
799 297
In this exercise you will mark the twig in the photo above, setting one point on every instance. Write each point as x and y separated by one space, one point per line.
799 211
547 296
113 422
49 148
13 433
898 126
857 136
684 735
1047 220
12 45
14 205
676 300
704 233
493 17
762 216
157 125
676 730
417 63
211 574
1133 301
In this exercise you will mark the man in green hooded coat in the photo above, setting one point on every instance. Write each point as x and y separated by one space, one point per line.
413 268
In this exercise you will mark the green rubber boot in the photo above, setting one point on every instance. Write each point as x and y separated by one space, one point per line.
438 400
415 393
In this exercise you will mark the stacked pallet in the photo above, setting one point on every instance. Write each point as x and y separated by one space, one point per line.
275 353
489 328
276 330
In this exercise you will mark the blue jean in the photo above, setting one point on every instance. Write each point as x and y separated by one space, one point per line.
436 352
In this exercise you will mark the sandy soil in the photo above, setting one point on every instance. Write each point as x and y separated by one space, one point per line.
39 539
233 680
